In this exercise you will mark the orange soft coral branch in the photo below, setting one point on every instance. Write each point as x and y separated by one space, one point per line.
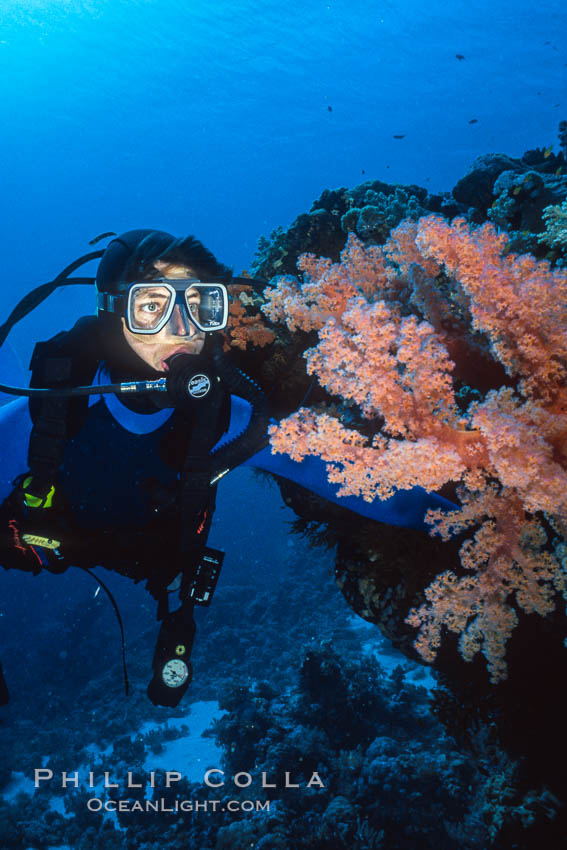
414 392
371 470
521 439
286 304
403 251
508 557
520 303
327 287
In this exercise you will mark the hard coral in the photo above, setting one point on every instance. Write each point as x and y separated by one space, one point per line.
395 324
555 234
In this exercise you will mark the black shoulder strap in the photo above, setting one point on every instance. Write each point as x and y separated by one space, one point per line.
69 359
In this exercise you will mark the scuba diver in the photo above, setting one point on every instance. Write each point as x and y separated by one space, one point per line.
161 302
144 391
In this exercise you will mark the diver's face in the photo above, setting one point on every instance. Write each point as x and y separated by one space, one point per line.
179 336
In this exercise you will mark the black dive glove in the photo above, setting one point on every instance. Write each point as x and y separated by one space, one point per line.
34 527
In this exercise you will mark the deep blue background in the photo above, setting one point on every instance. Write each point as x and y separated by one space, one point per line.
213 118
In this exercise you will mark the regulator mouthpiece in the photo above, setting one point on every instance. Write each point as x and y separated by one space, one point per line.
190 379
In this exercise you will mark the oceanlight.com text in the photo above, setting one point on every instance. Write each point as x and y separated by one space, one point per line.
96 804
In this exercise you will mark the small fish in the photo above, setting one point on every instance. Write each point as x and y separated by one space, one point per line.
517 190
473 121
363 171
559 171
96 593
399 136
329 109
459 56
547 152
102 236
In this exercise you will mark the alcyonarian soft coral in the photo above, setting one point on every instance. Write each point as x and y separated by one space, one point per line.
399 327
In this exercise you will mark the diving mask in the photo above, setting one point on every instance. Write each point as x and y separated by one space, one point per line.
150 304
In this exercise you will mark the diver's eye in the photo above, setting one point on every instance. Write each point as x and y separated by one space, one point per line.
150 307
194 307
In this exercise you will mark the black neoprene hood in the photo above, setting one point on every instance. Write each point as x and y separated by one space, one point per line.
119 253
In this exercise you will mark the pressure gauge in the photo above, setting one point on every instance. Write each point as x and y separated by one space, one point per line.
175 673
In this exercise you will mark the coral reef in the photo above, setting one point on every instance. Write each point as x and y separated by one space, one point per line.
375 214
295 676
370 210
513 192
371 769
520 203
302 693
396 327
327 706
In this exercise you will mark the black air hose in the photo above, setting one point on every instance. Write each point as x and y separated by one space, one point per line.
254 437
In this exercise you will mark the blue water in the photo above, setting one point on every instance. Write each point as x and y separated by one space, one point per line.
226 119
213 118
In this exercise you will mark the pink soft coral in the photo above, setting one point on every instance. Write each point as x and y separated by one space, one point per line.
387 324
327 287
517 301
